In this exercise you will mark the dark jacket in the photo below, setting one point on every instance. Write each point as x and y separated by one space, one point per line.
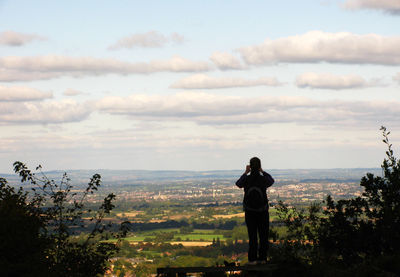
263 182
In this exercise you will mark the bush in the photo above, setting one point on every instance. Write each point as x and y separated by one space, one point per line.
354 235
366 227
37 228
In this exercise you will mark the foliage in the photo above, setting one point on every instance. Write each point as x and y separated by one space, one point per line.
41 225
240 233
302 225
353 234
164 237
23 245
144 269
186 230
366 227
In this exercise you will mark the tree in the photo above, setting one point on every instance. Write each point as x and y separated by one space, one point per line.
301 236
46 220
23 246
186 229
357 235
164 237
366 227
239 233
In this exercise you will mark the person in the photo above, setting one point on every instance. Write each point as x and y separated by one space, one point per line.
255 205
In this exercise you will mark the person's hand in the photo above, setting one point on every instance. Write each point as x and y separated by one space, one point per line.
247 169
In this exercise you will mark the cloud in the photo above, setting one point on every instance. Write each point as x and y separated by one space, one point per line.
178 64
226 61
11 38
330 81
317 46
389 6
72 92
43 112
397 77
7 75
207 109
22 94
116 139
152 39
219 109
201 81
48 67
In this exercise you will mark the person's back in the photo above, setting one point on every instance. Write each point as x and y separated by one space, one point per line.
255 205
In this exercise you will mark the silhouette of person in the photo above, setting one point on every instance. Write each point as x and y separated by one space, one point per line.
255 205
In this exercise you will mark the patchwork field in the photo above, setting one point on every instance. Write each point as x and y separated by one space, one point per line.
192 243
129 214
228 215
197 238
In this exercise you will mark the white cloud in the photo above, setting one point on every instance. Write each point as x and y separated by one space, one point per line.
397 77
390 6
226 61
72 92
11 38
152 39
331 81
218 109
43 112
22 94
317 46
48 67
178 64
208 109
7 75
201 81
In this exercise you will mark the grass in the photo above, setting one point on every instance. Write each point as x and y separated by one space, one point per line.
195 231
149 232
197 235
204 237
184 237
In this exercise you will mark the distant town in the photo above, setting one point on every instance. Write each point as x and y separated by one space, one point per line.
291 186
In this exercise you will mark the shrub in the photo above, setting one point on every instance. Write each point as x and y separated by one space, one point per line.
37 228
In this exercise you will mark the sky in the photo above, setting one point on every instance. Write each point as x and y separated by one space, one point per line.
198 85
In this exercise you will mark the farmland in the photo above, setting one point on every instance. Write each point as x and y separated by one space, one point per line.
197 235
195 221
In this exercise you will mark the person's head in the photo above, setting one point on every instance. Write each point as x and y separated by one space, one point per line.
255 164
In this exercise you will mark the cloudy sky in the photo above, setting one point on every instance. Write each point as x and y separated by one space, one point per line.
198 85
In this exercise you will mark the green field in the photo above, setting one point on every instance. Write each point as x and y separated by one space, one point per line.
196 235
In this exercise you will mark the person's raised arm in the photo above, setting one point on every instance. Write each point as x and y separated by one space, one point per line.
268 178
242 180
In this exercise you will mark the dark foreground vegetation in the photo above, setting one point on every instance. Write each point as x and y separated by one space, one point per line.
36 229
353 237
41 233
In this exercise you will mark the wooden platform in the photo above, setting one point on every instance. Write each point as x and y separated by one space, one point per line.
246 270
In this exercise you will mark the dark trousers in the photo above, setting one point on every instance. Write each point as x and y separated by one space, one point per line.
257 223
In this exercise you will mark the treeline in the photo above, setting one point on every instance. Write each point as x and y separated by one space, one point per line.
145 226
